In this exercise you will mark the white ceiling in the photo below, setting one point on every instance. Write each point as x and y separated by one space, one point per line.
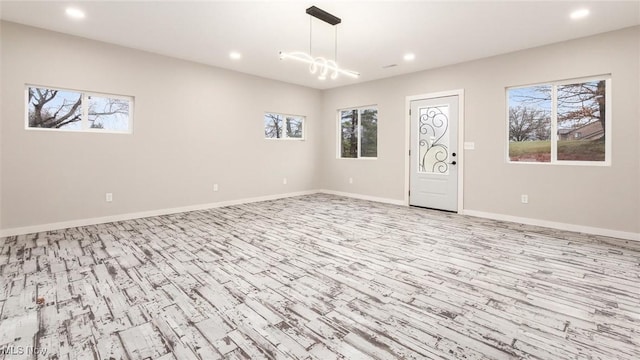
373 34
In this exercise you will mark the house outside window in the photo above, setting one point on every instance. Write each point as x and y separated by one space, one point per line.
564 122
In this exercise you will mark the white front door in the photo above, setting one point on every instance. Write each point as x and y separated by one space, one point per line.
433 181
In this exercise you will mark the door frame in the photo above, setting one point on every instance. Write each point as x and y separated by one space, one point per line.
407 140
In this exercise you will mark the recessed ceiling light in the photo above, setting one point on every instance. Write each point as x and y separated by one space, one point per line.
409 57
75 13
235 55
579 14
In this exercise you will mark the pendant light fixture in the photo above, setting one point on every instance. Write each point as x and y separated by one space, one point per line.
317 64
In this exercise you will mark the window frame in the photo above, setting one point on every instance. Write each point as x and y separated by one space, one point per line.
339 133
84 121
554 138
284 132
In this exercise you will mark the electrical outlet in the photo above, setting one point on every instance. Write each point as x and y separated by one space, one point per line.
350 180
524 198
284 181
108 197
215 187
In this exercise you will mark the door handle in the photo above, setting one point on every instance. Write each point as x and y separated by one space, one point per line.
453 162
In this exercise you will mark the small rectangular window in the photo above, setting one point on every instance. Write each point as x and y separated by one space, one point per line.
563 122
279 126
59 109
582 115
369 126
358 132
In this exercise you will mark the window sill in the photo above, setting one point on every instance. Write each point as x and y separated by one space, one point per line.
360 158
605 163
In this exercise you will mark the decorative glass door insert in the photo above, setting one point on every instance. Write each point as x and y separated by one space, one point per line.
433 140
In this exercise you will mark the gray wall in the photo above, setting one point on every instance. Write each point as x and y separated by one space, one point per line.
194 126
604 197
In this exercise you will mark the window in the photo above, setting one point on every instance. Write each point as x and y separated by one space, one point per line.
565 122
58 109
278 126
358 132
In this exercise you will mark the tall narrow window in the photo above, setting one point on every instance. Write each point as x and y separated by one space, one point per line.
564 122
358 132
369 133
582 121
530 123
59 109
349 133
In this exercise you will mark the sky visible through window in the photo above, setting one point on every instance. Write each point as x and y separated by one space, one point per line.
49 108
108 113
576 110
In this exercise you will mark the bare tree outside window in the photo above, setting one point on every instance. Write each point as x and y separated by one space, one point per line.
108 113
66 109
582 121
530 124
294 127
273 126
278 126
54 108
579 116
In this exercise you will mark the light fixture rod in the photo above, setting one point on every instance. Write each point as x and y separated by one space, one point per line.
335 42
310 34
323 15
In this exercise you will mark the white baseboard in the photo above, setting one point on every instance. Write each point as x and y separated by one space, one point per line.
364 197
555 225
142 214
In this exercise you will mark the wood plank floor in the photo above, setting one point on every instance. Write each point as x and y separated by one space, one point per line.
319 277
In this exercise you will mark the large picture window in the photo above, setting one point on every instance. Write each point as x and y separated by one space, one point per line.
279 126
564 122
59 109
358 132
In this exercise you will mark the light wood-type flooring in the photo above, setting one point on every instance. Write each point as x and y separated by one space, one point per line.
319 277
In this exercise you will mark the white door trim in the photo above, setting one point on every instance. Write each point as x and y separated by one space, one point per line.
407 140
